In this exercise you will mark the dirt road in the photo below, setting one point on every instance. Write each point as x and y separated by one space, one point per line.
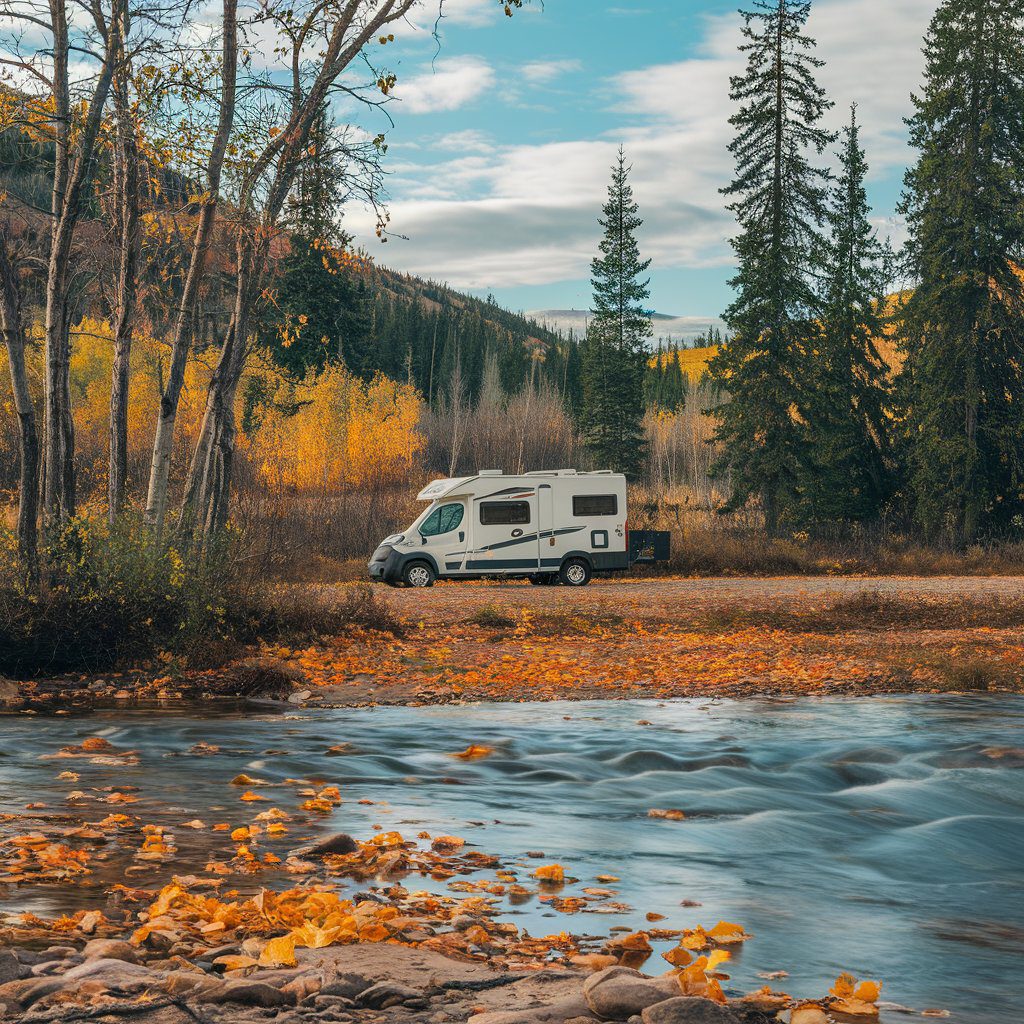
680 598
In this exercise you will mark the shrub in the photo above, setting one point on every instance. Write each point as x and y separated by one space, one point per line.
107 596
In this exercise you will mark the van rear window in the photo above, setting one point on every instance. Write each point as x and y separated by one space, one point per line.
504 513
595 505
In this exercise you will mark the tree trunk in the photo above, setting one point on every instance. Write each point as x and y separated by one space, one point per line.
14 338
126 190
69 179
163 442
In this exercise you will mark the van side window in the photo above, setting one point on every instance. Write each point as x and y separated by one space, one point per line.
443 519
504 513
595 505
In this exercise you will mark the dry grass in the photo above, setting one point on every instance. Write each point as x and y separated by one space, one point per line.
873 610
973 673
296 615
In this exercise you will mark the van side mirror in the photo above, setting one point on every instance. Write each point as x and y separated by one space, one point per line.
424 539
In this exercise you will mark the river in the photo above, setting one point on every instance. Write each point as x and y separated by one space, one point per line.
881 836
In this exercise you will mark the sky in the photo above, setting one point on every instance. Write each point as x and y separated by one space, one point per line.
505 130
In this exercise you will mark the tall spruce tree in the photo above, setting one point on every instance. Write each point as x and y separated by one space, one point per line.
852 476
963 325
779 199
615 353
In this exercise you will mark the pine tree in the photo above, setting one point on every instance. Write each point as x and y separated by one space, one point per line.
851 416
963 326
615 352
779 199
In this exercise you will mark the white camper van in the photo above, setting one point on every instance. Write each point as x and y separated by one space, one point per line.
551 527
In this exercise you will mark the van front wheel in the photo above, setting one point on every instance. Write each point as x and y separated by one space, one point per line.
575 573
418 574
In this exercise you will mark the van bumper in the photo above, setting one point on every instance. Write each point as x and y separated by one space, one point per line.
385 566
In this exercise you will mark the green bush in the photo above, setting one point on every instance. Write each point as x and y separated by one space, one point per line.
106 596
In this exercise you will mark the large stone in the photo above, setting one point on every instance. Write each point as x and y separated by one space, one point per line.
347 985
247 992
110 949
196 986
620 992
116 974
387 993
11 968
688 1010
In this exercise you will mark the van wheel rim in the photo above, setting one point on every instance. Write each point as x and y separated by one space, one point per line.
576 573
418 576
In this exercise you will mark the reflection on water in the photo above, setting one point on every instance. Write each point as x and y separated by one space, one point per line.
881 836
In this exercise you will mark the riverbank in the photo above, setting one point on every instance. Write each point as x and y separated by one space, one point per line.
636 638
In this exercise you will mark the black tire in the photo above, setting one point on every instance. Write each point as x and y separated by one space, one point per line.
575 572
543 579
418 574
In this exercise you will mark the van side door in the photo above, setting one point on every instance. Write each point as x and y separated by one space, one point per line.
504 532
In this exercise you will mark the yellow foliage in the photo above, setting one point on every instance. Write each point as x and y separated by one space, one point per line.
344 433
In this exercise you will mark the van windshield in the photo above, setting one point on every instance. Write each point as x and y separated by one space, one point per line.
441 519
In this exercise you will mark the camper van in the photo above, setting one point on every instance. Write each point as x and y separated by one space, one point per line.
551 527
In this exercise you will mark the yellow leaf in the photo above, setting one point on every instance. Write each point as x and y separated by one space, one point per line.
279 952
550 873
678 957
869 991
474 752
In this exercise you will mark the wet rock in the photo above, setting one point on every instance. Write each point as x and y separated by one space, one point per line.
571 1008
299 696
303 986
162 941
112 973
339 842
110 949
246 992
196 986
49 967
620 992
347 985
388 993
322 1001
11 968
688 1010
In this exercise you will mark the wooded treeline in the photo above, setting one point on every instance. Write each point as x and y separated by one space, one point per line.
818 426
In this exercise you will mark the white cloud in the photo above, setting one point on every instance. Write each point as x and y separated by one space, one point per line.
540 72
464 13
451 84
502 216
470 140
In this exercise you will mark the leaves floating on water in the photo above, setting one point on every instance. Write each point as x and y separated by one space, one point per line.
474 752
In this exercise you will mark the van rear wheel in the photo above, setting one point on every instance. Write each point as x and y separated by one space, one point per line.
418 574
574 573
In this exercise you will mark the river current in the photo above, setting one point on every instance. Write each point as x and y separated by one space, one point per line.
884 836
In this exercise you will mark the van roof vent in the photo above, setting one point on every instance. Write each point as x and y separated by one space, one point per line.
491 472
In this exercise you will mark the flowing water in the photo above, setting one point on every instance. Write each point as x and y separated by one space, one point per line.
880 836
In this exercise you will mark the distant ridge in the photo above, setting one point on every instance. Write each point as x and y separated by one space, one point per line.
666 326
